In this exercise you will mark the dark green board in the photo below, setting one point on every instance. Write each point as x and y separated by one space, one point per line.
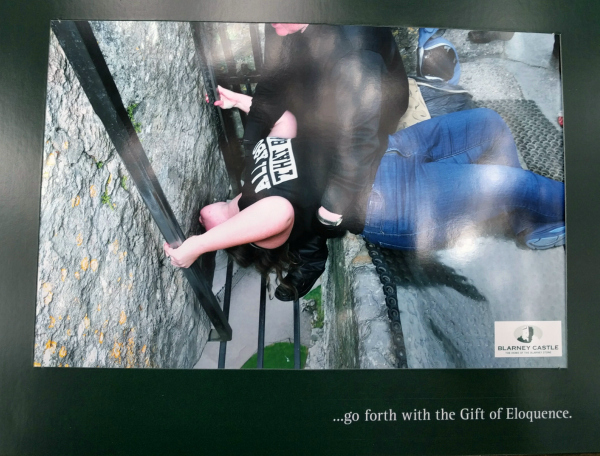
102 411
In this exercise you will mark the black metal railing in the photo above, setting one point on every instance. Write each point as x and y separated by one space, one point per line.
83 53
226 307
229 144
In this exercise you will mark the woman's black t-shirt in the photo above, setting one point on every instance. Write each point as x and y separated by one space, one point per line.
295 169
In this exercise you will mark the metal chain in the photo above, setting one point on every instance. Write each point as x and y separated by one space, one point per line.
386 277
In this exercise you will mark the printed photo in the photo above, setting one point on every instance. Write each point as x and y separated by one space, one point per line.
301 196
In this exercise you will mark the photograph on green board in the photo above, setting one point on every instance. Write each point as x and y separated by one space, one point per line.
315 196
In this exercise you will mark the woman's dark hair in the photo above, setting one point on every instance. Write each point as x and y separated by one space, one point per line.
265 261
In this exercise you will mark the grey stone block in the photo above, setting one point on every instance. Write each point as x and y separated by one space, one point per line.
357 332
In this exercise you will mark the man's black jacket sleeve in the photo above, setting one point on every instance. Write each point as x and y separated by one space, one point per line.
268 105
357 79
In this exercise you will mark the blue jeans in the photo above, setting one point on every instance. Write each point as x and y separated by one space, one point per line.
444 175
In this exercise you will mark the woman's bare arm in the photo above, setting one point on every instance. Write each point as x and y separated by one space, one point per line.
267 223
285 127
217 213
229 99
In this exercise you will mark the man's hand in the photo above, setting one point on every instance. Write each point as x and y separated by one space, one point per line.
329 218
184 255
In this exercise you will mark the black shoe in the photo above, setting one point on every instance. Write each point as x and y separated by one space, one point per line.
302 281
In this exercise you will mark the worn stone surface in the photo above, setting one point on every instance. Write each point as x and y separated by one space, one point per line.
375 344
468 51
448 304
356 332
541 85
106 295
446 326
488 79
521 68
407 39
533 49
340 334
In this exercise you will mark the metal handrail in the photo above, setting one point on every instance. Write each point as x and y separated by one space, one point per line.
85 57
296 334
260 352
226 306
230 146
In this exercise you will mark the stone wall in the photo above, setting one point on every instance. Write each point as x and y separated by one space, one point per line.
356 332
106 295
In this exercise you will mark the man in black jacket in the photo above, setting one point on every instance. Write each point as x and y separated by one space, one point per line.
347 88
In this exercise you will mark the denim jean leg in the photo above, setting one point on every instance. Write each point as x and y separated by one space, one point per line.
388 220
472 136
451 197
477 136
429 185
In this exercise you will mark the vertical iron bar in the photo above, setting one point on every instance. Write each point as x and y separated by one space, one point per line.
226 305
228 54
260 353
230 62
296 334
248 86
256 54
85 57
256 49
228 142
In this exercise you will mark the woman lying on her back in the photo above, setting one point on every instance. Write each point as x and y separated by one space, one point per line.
436 179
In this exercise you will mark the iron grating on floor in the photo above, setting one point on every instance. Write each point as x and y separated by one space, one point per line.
538 141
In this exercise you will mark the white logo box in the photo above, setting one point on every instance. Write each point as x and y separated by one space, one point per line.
527 339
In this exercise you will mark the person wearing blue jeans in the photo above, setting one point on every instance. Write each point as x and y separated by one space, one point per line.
445 174
436 179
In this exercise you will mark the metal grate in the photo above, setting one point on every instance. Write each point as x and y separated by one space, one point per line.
538 141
